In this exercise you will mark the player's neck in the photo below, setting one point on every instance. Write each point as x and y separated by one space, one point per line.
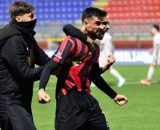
83 30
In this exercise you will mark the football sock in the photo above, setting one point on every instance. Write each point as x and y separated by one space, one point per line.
115 73
150 73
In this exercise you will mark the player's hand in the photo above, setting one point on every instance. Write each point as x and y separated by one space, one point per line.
110 60
43 97
120 99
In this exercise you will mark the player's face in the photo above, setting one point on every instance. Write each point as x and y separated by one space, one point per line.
106 22
153 30
95 27
26 17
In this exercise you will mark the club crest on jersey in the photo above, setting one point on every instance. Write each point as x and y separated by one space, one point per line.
58 54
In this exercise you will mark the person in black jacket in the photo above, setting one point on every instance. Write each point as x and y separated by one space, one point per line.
19 53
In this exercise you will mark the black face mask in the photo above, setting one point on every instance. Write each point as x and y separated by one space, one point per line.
26 28
27 25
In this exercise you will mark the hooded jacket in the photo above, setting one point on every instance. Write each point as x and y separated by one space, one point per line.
19 53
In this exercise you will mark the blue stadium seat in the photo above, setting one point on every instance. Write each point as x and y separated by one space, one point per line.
49 10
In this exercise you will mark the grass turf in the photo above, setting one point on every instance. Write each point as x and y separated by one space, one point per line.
141 113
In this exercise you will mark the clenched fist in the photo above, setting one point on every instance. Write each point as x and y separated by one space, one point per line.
43 97
120 99
110 61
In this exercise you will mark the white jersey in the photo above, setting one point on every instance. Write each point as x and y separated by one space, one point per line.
156 49
156 39
106 48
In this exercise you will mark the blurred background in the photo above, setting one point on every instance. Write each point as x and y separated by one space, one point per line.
131 22
130 27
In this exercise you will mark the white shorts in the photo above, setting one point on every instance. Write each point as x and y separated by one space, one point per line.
156 55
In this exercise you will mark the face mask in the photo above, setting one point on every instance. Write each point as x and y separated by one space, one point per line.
28 25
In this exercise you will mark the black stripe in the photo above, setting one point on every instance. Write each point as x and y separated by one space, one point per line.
81 54
66 52
75 43
83 74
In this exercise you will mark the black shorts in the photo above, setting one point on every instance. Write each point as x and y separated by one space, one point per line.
79 111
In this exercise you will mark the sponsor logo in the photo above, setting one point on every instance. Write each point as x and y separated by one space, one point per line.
58 54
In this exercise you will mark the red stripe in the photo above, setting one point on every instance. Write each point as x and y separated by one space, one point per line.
61 48
73 45
64 91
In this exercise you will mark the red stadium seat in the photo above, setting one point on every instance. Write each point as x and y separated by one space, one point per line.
129 15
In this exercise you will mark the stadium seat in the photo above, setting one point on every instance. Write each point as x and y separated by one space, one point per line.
133 15
50 10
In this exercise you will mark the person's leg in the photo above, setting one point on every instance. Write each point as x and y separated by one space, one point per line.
69 114
96 118
150 72
6 125
158 57
88 126
116 74
148 80
4 119
20 119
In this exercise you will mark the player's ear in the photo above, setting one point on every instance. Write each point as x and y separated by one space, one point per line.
18 18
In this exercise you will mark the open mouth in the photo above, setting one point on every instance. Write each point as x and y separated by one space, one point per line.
100 33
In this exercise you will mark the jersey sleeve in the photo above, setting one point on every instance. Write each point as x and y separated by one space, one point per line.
98 80
65 50
75 32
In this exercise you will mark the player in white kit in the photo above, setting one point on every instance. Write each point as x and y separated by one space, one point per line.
156 55
107 48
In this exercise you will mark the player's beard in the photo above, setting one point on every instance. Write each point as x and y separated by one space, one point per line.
100 34
96 35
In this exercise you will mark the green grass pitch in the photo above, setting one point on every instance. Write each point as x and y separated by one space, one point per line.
141 113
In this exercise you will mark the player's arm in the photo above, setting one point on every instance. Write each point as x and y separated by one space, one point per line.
96 78
104 87
40 56
75 32
57 60
14 55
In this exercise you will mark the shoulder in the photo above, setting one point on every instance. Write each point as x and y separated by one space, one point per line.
158 35
108 36
8 31
15 41
72 40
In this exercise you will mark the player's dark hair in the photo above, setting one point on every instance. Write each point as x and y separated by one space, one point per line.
19 8
156 26
91 11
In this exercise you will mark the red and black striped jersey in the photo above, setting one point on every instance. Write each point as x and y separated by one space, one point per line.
76 59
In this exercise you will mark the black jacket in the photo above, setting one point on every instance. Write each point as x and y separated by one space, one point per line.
19 53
